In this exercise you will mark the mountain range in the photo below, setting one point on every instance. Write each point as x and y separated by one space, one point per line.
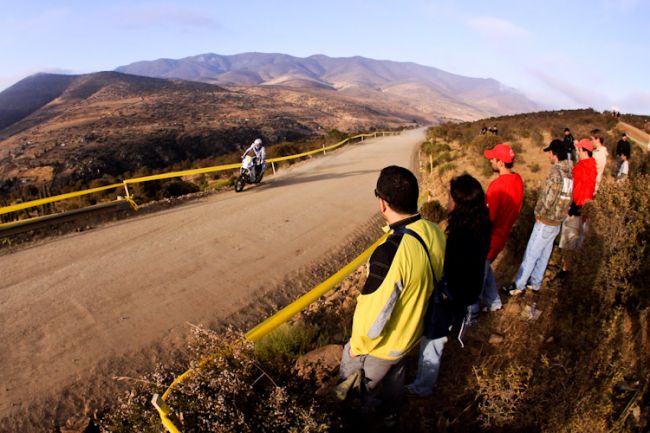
64 130
431 91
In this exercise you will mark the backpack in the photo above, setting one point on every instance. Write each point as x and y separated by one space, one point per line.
442 313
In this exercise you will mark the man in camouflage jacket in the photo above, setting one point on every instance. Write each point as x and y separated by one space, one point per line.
551 209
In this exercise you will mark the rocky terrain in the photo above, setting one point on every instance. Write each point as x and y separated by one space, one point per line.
113 124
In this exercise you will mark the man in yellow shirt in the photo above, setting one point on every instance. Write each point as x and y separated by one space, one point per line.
388 319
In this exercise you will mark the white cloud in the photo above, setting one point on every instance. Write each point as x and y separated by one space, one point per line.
583 96
497 28
163 15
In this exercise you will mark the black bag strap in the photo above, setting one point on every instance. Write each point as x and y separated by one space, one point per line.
406 231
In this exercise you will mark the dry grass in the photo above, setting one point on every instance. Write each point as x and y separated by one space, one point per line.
561 371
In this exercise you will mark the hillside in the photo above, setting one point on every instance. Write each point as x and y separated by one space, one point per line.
91 126
30 94
433 92
573 357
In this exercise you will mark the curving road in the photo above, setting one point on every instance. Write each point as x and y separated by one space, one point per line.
103 296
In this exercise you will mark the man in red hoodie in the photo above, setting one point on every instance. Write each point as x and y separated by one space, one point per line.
584 188
504 197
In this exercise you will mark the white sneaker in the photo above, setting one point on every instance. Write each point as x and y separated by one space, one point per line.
492 308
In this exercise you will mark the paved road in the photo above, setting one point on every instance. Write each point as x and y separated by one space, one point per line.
104 295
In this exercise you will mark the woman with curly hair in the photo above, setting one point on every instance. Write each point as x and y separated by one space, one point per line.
468 242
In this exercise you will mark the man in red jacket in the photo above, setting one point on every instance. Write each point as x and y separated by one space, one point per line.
504 197
584 188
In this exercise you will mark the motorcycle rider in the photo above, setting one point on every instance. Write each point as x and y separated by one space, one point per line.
259 160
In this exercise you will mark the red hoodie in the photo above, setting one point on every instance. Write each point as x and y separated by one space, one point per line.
584 181
504 197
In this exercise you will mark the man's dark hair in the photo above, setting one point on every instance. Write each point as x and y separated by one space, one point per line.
509 165
597 135
399 187
567 130
590 153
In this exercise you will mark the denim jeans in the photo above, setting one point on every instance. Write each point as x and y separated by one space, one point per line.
538 251
489 294
428 365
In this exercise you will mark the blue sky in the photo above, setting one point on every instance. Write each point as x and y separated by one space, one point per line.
563 54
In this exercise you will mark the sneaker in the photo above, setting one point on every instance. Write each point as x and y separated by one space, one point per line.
492 308
534 289
512 290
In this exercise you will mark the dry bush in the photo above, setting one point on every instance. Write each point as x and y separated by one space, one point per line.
233 391
487 141
433 211
501 394
617 244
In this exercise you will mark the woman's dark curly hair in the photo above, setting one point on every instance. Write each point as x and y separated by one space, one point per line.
470 212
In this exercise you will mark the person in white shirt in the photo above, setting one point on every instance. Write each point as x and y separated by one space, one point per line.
623 169
600 154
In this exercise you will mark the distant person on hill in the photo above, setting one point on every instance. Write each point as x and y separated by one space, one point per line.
504 197
623 147
468 241
551 209
584 188
568 142
257 149
484 130
389 316
600 153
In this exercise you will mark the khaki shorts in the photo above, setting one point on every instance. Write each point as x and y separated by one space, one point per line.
572 233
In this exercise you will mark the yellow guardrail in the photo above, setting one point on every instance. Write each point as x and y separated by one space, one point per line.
268 325
192 172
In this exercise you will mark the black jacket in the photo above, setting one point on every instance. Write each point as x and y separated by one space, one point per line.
623 148
463 275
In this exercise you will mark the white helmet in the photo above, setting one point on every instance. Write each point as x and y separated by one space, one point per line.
257 142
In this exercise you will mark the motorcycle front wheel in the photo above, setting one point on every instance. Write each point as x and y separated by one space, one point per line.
239 184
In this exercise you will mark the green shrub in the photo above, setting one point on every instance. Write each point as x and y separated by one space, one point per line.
336 135
516 147
537 138
285 344
483 142
486 167
442 158
445 168
427 147
433 211
434 147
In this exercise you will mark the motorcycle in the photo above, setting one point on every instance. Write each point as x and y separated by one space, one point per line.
248 173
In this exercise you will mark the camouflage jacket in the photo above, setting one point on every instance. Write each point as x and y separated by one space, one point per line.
554 200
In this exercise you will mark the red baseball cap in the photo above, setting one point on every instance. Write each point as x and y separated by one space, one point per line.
502 152
585 143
